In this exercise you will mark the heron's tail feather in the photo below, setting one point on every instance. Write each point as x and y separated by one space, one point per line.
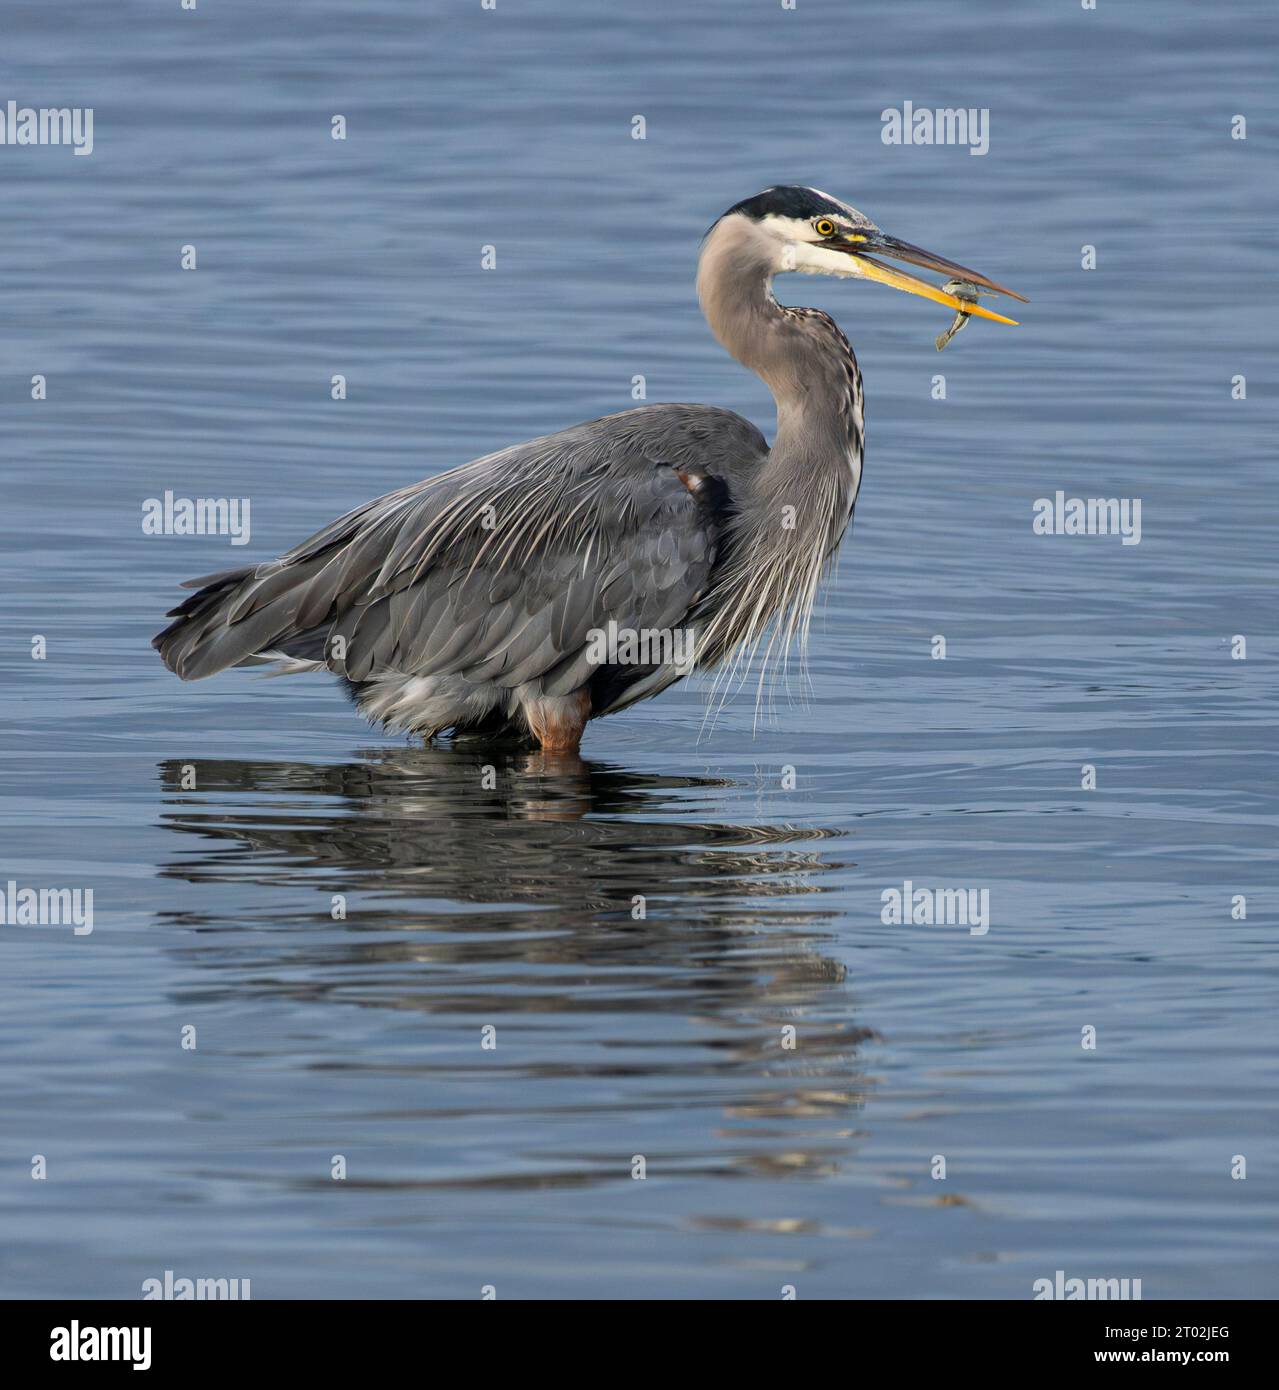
238 616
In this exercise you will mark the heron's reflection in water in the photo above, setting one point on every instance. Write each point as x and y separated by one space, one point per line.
649 942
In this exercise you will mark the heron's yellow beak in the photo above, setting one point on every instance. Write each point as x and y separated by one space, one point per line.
899 280
872 269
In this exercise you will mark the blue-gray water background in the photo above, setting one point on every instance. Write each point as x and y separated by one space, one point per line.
512 907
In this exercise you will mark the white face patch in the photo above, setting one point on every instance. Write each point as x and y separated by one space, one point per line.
808 259
799 242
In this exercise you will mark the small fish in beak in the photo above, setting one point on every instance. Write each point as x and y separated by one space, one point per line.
961 289
960 292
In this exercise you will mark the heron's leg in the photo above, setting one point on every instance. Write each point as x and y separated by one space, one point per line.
557 721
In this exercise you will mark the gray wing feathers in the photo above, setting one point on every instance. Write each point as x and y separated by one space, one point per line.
497 571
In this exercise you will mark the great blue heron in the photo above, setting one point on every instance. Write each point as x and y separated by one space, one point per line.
476 601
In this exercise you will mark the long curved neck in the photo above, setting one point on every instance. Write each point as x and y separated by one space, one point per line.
791 512
803 359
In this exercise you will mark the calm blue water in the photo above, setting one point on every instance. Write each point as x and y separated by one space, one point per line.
767 1166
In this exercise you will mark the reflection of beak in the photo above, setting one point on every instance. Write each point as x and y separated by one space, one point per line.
903 251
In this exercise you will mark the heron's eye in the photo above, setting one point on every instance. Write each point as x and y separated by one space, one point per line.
824 227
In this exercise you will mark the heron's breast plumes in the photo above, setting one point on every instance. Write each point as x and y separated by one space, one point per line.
781 545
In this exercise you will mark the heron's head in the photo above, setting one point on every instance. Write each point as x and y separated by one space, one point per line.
805 230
